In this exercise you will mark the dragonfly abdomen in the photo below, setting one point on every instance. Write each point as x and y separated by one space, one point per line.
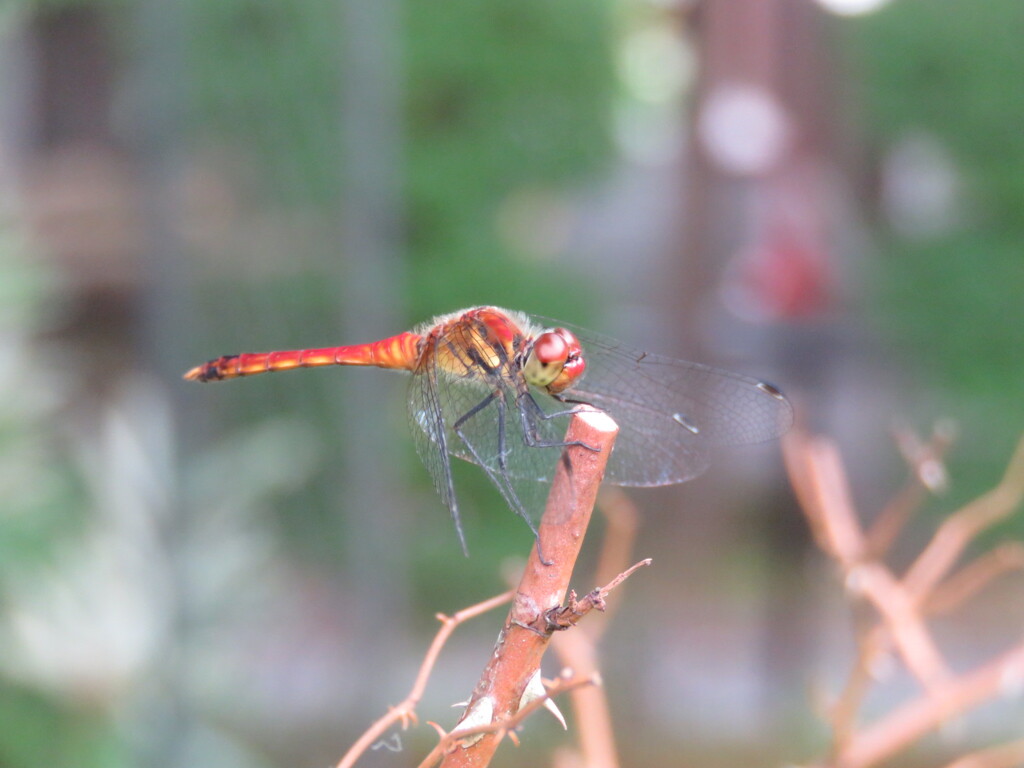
401 352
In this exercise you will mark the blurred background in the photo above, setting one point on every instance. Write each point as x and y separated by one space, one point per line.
827 194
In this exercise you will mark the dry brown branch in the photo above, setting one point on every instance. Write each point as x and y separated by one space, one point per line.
960 529
405 712
1004 756
905 622
817 475
577 650
595 737
894 516
451 743
817 470
910 722
525 636
819 480
927 475
842 714
621 520
973 577
568 615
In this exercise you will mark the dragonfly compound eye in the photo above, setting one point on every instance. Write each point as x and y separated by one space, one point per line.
551 349
559 359
546 359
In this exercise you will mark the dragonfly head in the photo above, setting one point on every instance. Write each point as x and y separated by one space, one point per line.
555 360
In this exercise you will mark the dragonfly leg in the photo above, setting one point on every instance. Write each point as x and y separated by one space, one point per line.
494 397
529 410
499 477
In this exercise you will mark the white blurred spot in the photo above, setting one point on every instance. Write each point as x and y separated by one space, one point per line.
655 64
933 475
920 187
1011 681
680 418
852 7
743 128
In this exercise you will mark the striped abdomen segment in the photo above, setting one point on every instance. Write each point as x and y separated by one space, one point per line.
400 352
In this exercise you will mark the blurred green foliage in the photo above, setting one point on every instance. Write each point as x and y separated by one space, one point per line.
264 78
499 97
950 301
950 71
38 730
43 509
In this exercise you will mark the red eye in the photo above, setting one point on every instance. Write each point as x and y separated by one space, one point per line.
550 348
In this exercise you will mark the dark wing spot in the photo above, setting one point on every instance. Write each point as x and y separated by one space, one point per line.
771 389
682 419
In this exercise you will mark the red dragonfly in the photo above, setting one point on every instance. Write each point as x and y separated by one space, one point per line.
496 388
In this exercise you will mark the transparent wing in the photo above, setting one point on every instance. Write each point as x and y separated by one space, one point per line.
672 414
430 436
486 420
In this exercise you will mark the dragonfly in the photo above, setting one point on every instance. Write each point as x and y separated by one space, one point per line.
497 387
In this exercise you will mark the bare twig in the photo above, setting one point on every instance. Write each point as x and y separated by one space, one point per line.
843 713
563 617
914 719
621 521
1009 755
405 712
974 576
893 518
957 531
905 621
524 637
925 458
577 649
820 483
816 472
595 738
927 475
818 475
